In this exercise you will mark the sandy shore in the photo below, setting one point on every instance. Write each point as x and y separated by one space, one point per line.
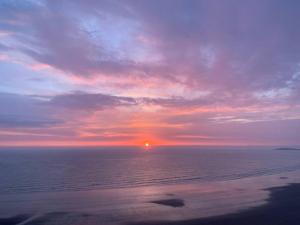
281 208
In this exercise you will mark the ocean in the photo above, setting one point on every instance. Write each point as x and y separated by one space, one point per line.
57 170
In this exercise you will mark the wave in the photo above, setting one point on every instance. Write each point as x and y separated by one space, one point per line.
139 181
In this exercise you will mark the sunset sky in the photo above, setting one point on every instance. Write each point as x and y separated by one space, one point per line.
90 72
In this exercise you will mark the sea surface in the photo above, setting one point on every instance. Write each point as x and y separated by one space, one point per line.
35 170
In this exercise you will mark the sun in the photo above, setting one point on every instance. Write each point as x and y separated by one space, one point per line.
147 144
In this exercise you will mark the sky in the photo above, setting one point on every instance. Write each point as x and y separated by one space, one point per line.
171 72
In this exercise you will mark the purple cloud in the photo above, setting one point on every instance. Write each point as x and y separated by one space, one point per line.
85 101
46 111
24 111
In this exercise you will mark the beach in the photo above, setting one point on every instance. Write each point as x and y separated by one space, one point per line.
255 191
282 208
271 200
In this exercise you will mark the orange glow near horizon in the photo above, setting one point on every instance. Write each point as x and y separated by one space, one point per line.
147 144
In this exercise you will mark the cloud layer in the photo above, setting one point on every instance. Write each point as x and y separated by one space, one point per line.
176 72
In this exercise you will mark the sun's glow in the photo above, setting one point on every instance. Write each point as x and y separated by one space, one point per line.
147 144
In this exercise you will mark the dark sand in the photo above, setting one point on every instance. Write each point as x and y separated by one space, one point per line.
282 208
13 220
170 202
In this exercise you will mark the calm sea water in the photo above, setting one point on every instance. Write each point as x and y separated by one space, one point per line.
47 170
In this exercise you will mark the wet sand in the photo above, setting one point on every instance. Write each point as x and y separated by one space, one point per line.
281 208
170 202
13 220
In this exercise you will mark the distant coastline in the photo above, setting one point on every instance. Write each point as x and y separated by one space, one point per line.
289 149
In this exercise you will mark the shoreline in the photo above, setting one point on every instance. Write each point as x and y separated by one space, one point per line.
282 207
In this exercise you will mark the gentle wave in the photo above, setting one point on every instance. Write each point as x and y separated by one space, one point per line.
53 171
32 187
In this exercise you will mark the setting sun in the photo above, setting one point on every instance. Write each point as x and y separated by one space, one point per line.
147 144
